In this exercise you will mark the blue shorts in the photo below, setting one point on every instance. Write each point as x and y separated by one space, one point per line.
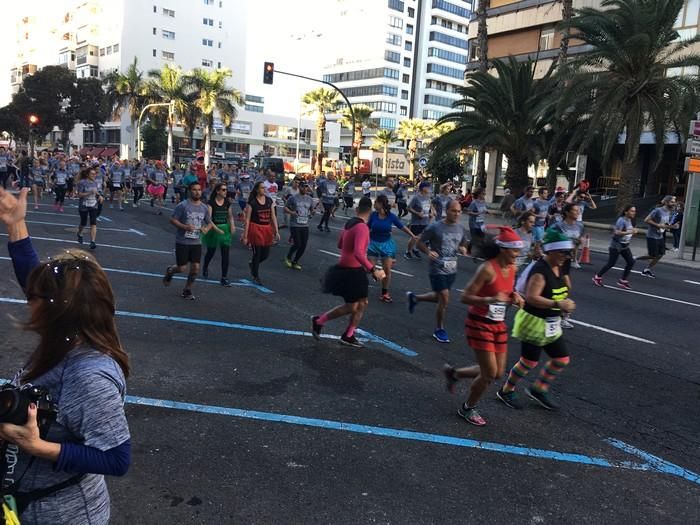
538 233
440 281
242 203
382 250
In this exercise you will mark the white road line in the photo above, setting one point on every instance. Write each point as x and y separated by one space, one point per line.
608 331
392 271
622 270
652 295
131 230
49 213
148 250
691 282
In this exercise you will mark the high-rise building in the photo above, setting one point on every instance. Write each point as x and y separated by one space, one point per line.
405 59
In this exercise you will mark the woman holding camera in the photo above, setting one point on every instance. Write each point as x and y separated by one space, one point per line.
55 469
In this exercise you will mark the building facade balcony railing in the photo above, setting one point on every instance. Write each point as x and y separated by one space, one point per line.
535 55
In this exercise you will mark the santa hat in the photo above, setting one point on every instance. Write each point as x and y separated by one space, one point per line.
556 240
508 238
200 154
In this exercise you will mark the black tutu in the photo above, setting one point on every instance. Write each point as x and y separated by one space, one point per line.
351 284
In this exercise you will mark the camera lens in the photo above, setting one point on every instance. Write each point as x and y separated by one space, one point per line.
8 402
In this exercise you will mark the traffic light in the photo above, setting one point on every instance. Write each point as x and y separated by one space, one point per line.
268 73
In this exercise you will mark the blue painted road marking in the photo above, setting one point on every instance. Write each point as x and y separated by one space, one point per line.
148 250
653 464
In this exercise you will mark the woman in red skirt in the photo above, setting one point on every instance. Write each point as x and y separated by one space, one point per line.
488 295
261 229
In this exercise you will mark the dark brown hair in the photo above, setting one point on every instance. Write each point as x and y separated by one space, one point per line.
75 307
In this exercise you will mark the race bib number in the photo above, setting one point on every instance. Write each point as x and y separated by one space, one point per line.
60 179
302 219
192 234
497 312
426 208
90 202
479 219
552 326
127 172
245 194
117 184
450 264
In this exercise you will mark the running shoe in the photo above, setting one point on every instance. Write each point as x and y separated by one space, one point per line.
296 266
288 262
386 298
440 335
412 302
350 341
80 239
471 415
60 208
648 273
624 284
316 328
450 379
408 256
328 230
168 277
575 264
187 294
319 228
543 398
257 281
565 323
598 281
37 207
416 254
226 283
93 245
510 399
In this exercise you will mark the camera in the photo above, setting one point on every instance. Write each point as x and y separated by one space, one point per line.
14 404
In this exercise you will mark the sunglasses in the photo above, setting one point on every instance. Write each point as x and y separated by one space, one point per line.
563 253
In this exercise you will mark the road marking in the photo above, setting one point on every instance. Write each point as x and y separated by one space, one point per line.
654 296
622 270
147 250
246 327
379 265
653 463
130 230
691 282
47 213
613 332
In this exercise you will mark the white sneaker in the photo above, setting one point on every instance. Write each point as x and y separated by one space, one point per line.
565 323
575 264
675 250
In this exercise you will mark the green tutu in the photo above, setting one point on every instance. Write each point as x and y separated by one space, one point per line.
533 329
213 239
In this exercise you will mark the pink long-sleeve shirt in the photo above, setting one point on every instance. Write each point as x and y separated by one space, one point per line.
353 244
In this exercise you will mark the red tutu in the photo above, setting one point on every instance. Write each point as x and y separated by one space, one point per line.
259 235
155 190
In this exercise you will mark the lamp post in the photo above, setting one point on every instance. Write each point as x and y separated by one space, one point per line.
171 107
33 121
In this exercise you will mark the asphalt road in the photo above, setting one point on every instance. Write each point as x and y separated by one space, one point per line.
238 416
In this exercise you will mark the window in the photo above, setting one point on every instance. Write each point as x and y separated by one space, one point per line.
547 38
474 52
408 45
208 2
168 12
392 56
221 4
451 8
221 24
441 86
393 39
384 123
388 107
155 31
409 29
207 63
208 21
115 47
168 35
219 45
102 51
431 114
436 36
403 111
447 55
404 94
155 9
254 109
406 62
396 22
364 91
438 101
93 71
447 71
155 53
411 12
167 55
219 65
363 74
207 42
109 50
396 5
405 78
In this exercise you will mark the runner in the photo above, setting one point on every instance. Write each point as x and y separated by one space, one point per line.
442 200
190 217
157 186
540 208
488 294
366 186
422 212
555 213
573 229
243 191
5 163
127 169
620 245
530 250
60 179
38 174
382 246
288 191
348 194
220 236
477 212
389 192
138 182
300 208
327 190
261 229
116 184
402 199
447 238
89 195
659 220
348 278
523 204
538 324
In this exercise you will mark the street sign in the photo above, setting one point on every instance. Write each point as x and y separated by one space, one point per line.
423 162
693 147
694 128
692 165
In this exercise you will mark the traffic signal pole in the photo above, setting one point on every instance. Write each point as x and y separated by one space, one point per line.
352 111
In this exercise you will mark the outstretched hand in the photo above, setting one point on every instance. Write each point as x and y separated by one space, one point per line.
13 210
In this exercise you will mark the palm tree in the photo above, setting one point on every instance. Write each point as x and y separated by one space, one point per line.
482 39
414 131
363 121
191 117
168 85
212 95
504 112
127 92
320 101
383 139
625 77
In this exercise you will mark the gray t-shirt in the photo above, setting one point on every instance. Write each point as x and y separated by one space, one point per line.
421 204
89 388
87 186
477 222
442 202
523 204
660 215
390 195
445 239
540 207
622 241
329 191
301 204
188 213
572 231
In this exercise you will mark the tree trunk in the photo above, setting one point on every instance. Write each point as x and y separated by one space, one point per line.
516 175
169 158
207 145
412 148
481 168
630 179
482 34
320 133
567 11
551 176
386 153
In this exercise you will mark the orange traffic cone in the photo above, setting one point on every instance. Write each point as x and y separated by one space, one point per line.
586 252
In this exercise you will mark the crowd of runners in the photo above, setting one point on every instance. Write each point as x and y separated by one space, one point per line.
526 266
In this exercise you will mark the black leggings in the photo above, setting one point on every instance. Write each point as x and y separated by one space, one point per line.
60 194
300 237
260 253
614 253
327 209
403 208
224 259
138 194
4 176
555 350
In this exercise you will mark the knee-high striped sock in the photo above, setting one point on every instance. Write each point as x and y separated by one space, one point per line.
549 373
519 370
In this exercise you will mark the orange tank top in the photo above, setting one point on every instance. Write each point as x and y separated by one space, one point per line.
500 283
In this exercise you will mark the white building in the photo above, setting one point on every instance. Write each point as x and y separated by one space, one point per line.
95 37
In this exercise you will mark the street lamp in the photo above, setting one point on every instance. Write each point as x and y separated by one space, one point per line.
33 121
